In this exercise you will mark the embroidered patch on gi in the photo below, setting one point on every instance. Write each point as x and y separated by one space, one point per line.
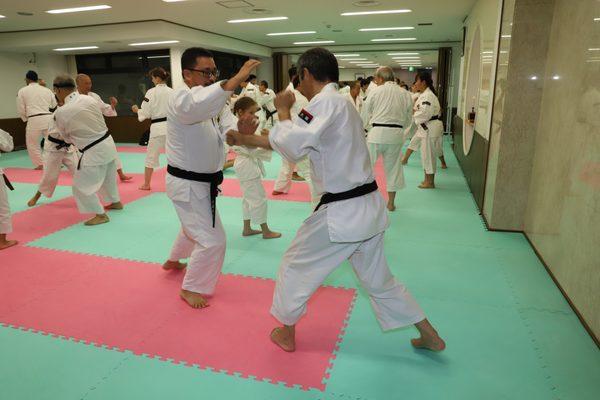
427 103
146 99
305 116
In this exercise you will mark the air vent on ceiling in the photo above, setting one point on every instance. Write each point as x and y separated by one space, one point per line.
234 4
425 24
112 41
25 13
258 11
337 30
366 3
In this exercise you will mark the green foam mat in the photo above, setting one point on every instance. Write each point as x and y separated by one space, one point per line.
19 197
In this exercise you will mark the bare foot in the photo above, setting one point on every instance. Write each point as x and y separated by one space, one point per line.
271 235
39 168
433 343
145 187
250 232
8 243
169 265
284 339
277 193
391 207
97 220
444 166
33 201
125 178
114 206
404 161
426 186
195 300
296 177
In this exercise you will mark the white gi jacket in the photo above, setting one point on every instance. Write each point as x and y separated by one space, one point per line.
80 122
251 91
428 106
197 121
35 99
106 109
6 145
387 104
248 162
154 106
329 131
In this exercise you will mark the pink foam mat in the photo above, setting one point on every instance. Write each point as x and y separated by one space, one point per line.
27 175
135 306
134 149
45 219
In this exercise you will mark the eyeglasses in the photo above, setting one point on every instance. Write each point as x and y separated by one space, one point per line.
208 73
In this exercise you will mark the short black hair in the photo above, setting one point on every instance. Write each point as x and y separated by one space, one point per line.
293 71
264 83
321 64
32 76
251 76
189 56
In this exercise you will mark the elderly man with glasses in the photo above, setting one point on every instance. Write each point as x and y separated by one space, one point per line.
197 122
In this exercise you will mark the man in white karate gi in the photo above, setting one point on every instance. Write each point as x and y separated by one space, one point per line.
84 86
387 112
6 144
197 121
35 104
81 122
349 222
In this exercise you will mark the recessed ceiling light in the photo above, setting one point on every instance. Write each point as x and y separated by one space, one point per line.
76 48
78 9
290 33
152 43
556 77
402 54
534 78
593 60
349 14
399 28
392 39
347 55
316 42
354 59
596 19
238 21
487 52
407 58
2 16
506 36
594 49
361 62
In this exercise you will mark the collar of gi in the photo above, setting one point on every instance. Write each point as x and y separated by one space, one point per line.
71 97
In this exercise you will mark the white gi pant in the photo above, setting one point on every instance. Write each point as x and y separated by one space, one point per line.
155 145
254 201
32 141
312 257
392 163
198 241
5 218
92 181
428 155
284 179
53 162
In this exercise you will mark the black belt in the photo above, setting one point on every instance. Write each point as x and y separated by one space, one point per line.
434 118
89 146
388 125
7 182
269 114
154 121
350 194
61 143
214 179
37 115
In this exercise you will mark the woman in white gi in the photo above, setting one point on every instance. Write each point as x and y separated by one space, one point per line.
57 153
249 168
6 144
154 108
351 219
430 130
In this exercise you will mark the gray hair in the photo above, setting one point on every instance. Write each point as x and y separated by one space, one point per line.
64 81
385 73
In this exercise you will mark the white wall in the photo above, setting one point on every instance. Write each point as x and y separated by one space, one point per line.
14 68
265 71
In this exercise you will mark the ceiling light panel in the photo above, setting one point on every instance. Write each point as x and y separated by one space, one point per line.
239 21
291 33
393 39
350 14
76 48
78 9
316 42
399 28
154 43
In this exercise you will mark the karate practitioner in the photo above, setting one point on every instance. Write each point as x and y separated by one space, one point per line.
154 108
84 86
283 183
80 122
6 144
57 153
249 168
430 130
267 103
387 111
35 105
249 90
353 95
197 120
349 222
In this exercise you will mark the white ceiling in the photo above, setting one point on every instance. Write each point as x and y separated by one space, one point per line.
318 15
